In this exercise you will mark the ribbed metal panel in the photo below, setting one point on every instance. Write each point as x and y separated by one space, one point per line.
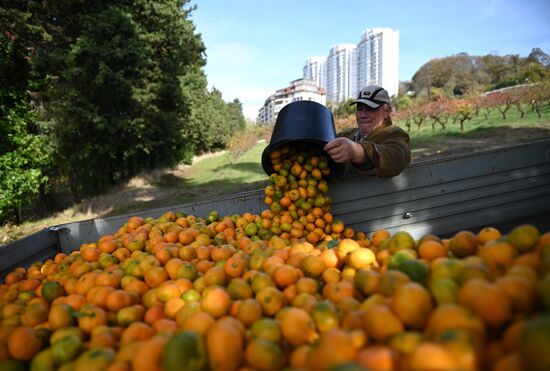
499 187
462 192
27 250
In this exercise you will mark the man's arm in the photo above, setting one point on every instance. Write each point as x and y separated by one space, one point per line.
389 154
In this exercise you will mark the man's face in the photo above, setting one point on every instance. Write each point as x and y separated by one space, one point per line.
369 118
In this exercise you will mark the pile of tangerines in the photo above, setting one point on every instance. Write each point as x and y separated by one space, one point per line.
289 288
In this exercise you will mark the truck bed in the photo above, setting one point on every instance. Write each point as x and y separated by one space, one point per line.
502 188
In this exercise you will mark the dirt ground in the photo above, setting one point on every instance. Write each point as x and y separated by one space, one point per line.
488 139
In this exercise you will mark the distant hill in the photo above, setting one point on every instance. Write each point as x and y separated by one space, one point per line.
461 74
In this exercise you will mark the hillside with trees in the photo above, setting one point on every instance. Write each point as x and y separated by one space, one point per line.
463 74
93 93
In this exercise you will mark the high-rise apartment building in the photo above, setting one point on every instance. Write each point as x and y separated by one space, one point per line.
316 70
350 67
378 59
340 73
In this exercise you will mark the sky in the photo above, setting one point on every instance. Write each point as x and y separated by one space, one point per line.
255 47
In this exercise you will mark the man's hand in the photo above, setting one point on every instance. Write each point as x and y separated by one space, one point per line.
343 150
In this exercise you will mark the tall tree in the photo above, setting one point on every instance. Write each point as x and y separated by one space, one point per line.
25 155
117 82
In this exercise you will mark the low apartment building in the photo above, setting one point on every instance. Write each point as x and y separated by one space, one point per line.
299 89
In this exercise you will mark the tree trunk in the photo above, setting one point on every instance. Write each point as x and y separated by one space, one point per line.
17 215
521 110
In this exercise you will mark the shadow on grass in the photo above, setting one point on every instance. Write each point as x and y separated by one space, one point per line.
475 140
506 134
251 167
185 193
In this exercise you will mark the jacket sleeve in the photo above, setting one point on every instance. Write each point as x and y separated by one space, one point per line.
387 156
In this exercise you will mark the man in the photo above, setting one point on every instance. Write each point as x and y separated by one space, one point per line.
376 147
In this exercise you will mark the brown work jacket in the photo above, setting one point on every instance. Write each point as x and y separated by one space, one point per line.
387 151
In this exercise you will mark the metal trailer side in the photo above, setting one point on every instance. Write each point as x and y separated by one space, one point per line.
501 187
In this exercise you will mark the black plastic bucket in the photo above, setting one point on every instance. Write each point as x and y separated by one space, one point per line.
301 121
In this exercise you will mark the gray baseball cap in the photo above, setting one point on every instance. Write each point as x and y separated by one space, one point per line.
373 96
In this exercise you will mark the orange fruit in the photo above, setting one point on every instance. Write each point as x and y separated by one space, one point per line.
297 326
336 291
185 350
444 290
454 316
366 281
330 258
198 322
510 361
154 276
380 235
234 266
136 331
463 243
488 300
520 292
225 344
312 266
94 359
499 256
361 258
431 356
345 247
377 357
335 348
511 336
412 303
524 237
67 349
24 343
215 276
390 280
400 241
172 306
249 311
534 343
381 323
149 356
52 290
488 234
430 250
325 316
271 300
285 275
263 354
267 328
34 314
117 300
406 342
463 346
216 302
60 317
92 317
307 284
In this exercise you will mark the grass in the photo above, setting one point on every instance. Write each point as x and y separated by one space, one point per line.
477 125
247 169
219 174
210 176
479 133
